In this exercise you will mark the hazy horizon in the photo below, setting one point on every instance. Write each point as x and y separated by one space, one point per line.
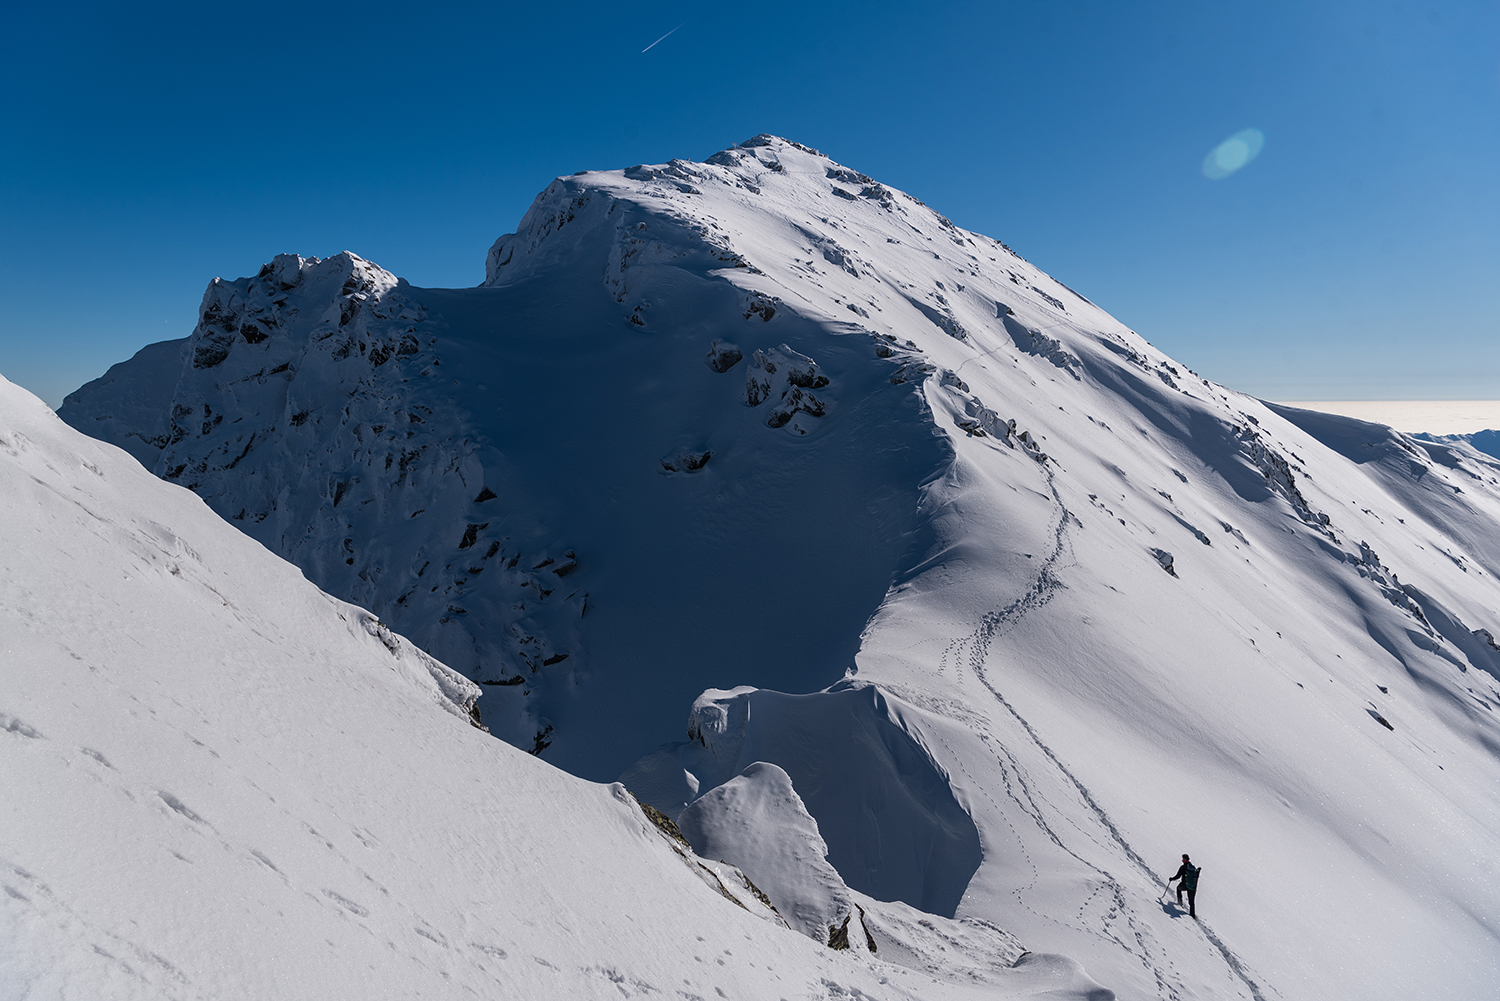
1440 417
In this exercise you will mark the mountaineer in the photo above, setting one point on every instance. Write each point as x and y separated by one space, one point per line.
1189 876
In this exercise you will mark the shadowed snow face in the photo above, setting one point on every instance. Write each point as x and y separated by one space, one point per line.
890 820
547 495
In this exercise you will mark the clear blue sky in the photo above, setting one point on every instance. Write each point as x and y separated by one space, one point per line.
148 148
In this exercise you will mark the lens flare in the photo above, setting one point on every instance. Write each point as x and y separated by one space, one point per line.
1233 153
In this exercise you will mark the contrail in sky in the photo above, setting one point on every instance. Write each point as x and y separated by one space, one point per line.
661 39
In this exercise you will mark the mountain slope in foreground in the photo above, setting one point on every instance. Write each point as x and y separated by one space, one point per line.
220 782
1059 610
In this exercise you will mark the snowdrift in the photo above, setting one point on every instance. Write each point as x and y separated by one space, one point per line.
764 421
857 761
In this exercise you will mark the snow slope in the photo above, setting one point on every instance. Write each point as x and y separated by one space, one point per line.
219 782
789 429
1487 441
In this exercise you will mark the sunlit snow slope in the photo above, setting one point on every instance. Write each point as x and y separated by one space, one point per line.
763 421
219 782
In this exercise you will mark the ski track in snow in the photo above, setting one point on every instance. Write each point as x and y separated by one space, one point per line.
993 624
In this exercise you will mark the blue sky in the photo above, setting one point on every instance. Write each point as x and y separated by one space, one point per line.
147 148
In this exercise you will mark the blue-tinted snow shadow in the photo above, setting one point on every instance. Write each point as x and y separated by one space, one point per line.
760 569
893 826
1173 909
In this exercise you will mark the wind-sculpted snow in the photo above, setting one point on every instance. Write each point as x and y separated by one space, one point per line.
1123 612
758 816
757 821
891 823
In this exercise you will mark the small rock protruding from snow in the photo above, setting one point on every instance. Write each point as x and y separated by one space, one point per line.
980 420
686 462
912 371
1165 559
761 305
722 355
786 379
1034 342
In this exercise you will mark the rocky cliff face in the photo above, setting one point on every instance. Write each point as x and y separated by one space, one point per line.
302 411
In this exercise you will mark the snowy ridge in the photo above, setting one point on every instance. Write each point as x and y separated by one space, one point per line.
792 425
234 785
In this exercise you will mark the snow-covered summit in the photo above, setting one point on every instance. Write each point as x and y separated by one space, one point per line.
763 421
837 242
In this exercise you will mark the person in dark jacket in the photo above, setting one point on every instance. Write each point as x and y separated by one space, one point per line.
1189 876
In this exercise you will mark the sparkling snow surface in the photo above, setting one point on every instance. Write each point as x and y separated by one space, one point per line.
219 782
763 421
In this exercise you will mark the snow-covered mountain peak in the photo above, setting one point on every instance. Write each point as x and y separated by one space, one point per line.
742 427
789 218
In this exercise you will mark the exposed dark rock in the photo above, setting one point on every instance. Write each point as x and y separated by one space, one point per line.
869 939
723 356
686 462
838 936
666 825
